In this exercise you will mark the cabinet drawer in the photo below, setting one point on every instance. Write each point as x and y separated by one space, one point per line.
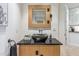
49 50
33 50
28 50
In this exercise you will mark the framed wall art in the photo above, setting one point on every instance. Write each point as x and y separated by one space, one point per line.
3 16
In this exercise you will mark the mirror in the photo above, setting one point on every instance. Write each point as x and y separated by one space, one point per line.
74 19
74 16
38 15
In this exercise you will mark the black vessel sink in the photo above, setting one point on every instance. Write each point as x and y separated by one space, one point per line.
39 38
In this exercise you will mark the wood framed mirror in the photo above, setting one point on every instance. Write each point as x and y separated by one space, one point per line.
39 16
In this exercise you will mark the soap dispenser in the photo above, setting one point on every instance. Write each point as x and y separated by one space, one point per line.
50 38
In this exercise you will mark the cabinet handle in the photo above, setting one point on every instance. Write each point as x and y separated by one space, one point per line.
48 21
41 55
48 9
50 15
36 52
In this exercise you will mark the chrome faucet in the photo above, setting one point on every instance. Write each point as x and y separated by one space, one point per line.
40 31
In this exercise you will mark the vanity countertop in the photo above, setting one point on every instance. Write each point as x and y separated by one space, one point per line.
54 41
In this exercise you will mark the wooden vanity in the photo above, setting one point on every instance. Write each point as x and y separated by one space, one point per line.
39 49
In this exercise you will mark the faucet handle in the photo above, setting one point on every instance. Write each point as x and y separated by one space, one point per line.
40 31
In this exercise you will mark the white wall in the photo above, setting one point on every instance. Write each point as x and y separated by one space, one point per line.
12 29
74 39
62 23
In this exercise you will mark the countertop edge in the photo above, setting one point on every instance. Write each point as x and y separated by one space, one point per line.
52 43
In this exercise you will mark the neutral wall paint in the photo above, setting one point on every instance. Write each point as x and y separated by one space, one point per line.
74 39
12 29
62 22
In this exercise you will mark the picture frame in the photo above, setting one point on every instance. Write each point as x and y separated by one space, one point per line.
3 16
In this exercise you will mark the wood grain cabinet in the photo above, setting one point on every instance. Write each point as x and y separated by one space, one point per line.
38 50
39 16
